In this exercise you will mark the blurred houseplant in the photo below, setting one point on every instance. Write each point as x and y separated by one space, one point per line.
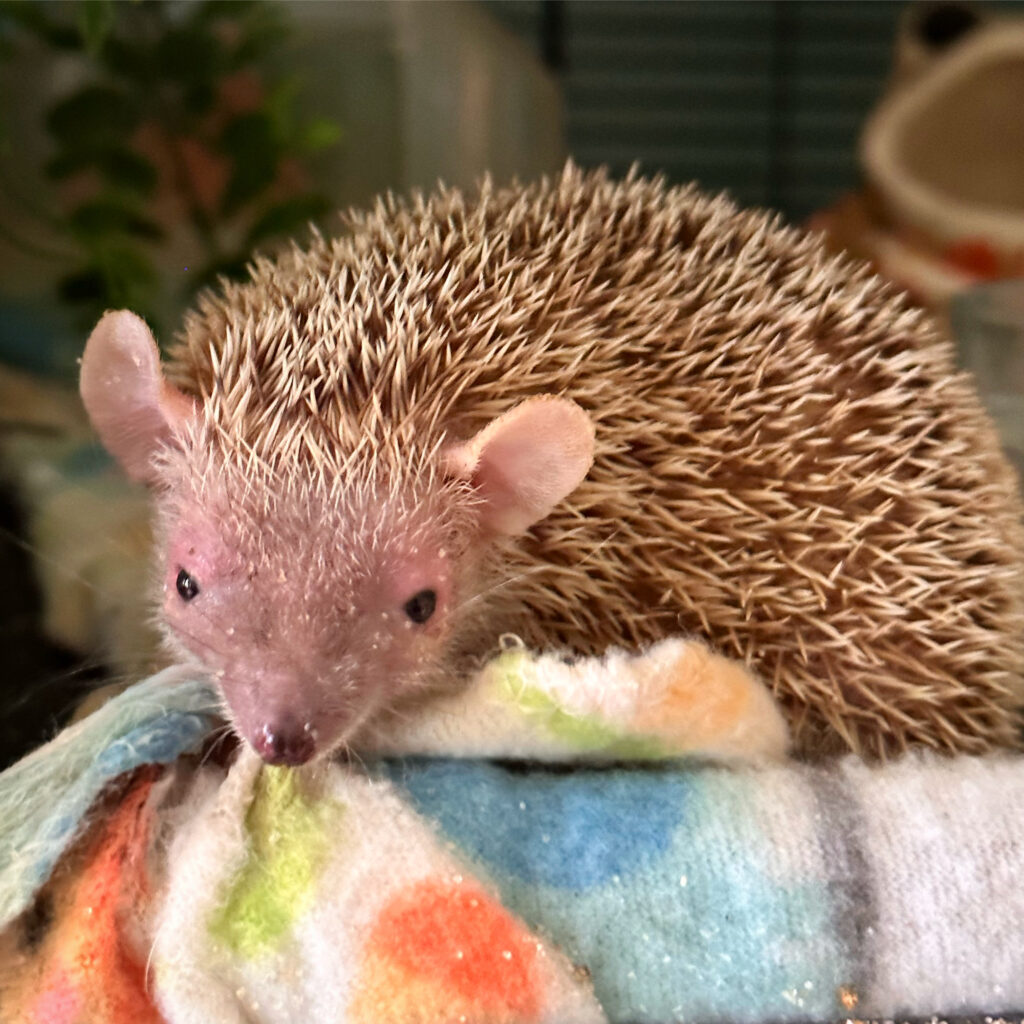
179 121
146 147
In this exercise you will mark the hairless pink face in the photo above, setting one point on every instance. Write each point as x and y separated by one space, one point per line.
313 602
311 626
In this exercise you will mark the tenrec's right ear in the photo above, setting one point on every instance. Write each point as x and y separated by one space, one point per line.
522 464
134 410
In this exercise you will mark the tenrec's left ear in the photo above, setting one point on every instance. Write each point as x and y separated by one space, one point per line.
525 462
134 410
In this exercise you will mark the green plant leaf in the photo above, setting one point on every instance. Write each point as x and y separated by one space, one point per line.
199 98
249 140
114 276
212 10
129 274
34 18
121 168
133 59
95 20
280 106
287 217
235 268
86 285
260 30
103 218
65 164
128 170
319 134
93 118
190 54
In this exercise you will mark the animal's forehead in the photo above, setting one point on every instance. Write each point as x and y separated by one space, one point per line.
276 514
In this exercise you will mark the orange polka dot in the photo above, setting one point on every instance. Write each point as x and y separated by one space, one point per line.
86 968
707 698
466 948
111 884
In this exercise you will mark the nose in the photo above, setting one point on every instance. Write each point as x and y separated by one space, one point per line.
285 742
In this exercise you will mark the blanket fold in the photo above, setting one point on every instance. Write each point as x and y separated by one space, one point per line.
541 879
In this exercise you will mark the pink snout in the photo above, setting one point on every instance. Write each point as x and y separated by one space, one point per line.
285 742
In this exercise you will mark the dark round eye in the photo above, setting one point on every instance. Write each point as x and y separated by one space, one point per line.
421 606
187 587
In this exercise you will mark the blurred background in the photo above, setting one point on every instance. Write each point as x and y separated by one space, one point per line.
147 148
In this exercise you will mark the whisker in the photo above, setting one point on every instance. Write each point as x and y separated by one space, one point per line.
37 554
500 585
353 755
213 739
531 571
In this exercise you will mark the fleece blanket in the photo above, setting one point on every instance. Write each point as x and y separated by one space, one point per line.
147 875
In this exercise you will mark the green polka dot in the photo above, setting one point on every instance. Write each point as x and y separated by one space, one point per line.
581 732
289 837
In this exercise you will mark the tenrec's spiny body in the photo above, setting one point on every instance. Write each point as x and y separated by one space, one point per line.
786 462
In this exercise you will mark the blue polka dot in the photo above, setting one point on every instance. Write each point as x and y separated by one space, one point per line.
570 831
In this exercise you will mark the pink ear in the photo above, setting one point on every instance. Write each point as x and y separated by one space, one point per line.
525 462
134 410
